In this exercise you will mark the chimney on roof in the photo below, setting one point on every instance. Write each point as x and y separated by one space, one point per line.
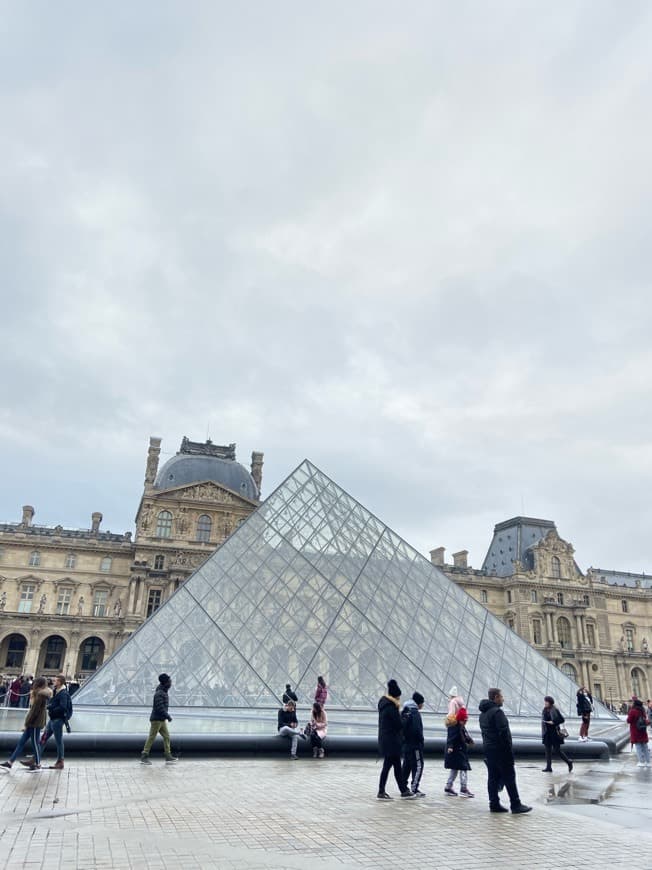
96 519
257 469
28 514
460 559
437 556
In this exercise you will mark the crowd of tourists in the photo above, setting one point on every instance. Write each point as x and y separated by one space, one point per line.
15 691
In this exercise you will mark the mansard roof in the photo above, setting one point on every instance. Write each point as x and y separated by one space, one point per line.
511 540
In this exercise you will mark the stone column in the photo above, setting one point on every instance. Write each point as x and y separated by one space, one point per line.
580 630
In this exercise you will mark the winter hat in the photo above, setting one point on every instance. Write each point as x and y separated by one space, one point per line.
452 692
418 698
163 679
462 715
393 689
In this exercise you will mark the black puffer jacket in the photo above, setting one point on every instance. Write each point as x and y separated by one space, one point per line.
390 727
496 736
160 705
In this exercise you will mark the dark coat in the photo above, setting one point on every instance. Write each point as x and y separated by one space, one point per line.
457 748
160 705
551 719
496 736
60 707
287 717
36 714
390 727
636 734
584 705
412 726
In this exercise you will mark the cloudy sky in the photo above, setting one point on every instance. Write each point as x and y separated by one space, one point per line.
409 241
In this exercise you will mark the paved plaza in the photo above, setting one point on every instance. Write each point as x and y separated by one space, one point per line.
273 813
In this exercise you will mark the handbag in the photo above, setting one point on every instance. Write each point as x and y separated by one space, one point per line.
562 733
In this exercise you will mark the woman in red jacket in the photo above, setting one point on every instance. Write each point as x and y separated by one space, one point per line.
638 724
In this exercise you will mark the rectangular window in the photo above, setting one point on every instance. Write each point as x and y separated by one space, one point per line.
153 601
483 596
586 600
509 597
597 690
629 639
26 597
534 598
624 606
63 602
560 598
536 630
99 602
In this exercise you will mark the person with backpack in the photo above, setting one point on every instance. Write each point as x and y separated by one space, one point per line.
638 724
413 743
60 713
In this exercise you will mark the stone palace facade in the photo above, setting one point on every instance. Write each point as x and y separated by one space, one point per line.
69 597
596 626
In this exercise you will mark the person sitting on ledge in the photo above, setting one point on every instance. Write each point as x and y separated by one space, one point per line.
289 727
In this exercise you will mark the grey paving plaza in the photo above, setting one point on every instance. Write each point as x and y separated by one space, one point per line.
245 813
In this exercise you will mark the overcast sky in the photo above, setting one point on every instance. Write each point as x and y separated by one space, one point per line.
409 241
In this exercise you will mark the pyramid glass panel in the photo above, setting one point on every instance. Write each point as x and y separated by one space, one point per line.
312 583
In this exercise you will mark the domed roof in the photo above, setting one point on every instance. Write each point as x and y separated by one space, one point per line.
186 468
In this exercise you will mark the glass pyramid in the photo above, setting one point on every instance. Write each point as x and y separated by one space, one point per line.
312 583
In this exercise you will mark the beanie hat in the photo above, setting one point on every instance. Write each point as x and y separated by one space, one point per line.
163 679
393 689
418 698
462 715
452 692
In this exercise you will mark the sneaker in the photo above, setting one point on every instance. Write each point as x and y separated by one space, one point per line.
450 791
322 753
498 808
170 759
521 808
293 758
6 764
383 796
144 759
640 764
464 792
407 794
418 794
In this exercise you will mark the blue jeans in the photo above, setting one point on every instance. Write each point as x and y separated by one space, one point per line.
28 734
55 728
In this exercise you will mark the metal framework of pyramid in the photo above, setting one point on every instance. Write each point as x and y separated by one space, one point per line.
312 583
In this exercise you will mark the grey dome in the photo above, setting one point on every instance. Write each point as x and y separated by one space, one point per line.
184 469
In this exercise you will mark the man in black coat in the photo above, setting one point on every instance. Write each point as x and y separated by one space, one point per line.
390 732
498 753
159 719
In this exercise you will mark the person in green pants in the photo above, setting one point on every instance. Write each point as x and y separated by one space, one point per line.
159 719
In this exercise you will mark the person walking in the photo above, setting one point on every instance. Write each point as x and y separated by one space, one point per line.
638 725
551 736
456 759
413 743
584 710
34 721
390 730
321 692
289 727
318 730
159 719
60 713
499 753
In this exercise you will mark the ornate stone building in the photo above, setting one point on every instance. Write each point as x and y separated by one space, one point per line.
69 597
596 626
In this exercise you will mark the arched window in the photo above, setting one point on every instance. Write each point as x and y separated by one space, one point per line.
16 646
105 564
159 562
71 560
555 567
164 524
570 671
204 524
34 559
92 654
638 683
54 652
564 632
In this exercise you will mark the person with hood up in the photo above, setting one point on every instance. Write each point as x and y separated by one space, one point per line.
458 741
499 754
551 736
34 721
159 719
638 724
584 710
390 730
413 743
455 701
